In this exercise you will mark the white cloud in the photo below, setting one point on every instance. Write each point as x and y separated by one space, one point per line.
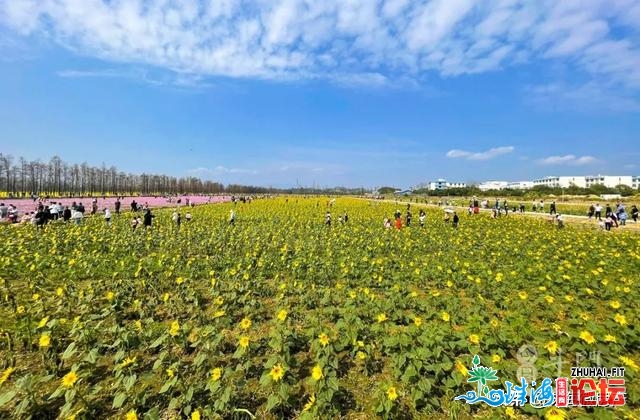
572 160
341 40
486 155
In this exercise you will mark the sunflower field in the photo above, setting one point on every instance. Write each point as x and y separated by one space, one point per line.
281 316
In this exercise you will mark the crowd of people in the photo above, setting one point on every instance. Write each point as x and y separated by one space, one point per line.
612 218
75 213
396 222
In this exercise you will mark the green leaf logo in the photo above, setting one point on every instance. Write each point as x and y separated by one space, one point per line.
481 375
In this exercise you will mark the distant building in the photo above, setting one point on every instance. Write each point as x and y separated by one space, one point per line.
520 185
609 181
457 185
635 182
493 185
561 182
443 184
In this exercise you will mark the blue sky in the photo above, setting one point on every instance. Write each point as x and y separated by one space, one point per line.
353 93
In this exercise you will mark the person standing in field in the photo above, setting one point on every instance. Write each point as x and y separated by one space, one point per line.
134 223
327 219
41 217
386 223
598 211
398 223
408 218
552 208
232 218
634 213
421 217
148 218
53 211
77 216
592 211
66 214
623 218
176 219
118 205
456 219
107 216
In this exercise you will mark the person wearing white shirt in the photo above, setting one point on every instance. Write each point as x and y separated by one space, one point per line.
598 211
76 216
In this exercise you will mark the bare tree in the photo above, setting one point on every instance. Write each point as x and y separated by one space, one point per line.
5 170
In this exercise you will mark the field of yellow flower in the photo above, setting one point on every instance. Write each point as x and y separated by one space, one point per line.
281 316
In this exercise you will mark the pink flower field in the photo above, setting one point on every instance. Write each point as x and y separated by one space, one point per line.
28 205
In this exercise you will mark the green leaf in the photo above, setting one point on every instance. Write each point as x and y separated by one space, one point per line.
158 341
199 359
167 385
71 349
265 379
92 357
58 392
272 402
130 381
118 400
153 414
7 397
476 360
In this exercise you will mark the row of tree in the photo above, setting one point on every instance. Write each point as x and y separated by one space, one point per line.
57 178
21 178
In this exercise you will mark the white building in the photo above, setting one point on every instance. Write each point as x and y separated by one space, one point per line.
520 185
443 184
561 181
493 185
456 185
609 181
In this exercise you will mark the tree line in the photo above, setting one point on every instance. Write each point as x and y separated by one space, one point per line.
56 178
21 177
